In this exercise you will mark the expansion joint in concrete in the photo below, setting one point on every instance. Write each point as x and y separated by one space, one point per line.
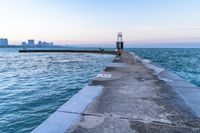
83 114
122 118
159 123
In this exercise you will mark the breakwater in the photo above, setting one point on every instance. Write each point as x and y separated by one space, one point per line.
68 51
130 95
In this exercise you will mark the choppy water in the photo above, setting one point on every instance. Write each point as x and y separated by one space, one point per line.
34 85
183 62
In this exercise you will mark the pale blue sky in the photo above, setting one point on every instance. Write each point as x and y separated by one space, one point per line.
98 21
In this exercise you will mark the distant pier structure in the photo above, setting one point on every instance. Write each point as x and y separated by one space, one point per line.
119 42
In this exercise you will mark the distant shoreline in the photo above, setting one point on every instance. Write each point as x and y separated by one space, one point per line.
19 46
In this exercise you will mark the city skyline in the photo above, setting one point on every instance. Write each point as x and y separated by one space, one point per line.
145 23
4 42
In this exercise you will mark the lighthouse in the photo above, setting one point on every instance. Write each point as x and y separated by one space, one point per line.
119 42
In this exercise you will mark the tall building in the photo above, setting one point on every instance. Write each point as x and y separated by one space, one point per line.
31 42
51 43
3 42
39 43
23 43
45 44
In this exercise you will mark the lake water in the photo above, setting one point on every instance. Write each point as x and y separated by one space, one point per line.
184 62
34 85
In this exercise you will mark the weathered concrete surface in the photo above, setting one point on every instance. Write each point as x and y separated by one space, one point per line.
135 100
69 113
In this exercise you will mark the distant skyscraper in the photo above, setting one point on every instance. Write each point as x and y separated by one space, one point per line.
31 42
39 43
23 43
45 44
3 42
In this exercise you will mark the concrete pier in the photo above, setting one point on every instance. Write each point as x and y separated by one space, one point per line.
130 96
66 51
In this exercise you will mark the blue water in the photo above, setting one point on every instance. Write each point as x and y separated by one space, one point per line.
183 62
34 85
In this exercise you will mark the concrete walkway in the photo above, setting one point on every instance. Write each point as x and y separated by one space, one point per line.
135 100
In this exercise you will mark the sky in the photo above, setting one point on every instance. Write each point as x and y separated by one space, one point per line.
144 23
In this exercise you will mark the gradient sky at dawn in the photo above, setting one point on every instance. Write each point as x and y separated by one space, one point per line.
143 22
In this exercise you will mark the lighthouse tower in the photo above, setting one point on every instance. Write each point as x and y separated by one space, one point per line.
119 42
